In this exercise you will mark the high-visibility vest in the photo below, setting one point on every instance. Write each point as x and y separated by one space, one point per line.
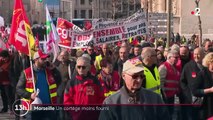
50 82
98 60
171 86
152 83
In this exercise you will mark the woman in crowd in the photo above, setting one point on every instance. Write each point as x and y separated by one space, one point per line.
108 78
203 87
160 57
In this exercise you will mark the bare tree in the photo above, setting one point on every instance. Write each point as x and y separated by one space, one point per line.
113 8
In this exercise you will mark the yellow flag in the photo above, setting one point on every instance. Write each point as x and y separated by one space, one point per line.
30 39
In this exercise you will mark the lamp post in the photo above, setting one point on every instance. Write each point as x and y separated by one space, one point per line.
168 23
99 9
93 9
71 10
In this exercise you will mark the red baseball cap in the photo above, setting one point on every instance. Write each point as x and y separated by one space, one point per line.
40 54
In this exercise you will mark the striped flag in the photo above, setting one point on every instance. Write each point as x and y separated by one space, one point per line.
52 36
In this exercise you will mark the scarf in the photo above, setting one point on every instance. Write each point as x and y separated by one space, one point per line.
107 78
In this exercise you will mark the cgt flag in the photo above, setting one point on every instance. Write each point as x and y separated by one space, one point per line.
21 34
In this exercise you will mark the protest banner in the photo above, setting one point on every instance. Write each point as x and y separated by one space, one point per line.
103 31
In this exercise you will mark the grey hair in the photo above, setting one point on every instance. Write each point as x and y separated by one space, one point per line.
175 47
171 53
85 59
87 56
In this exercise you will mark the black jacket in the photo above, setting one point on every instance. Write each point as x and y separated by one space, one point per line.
203 81
187 79
118 66
122 107
17 65
65 77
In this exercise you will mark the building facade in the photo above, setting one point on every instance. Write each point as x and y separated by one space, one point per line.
90 9
86 9
183 21
34 9
125 8
6 10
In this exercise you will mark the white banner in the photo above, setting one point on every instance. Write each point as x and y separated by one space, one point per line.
1 21
105 31
112 34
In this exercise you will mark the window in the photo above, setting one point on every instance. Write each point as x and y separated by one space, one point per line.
109 15
104 4
82 2
109 4
83 13
131 7
90 2
138 6
75 14
90 13
119 8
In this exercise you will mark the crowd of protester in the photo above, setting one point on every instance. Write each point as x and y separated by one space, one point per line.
134 72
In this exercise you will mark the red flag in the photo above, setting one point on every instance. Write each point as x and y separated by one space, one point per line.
18 36
7 45
135 42
65 29
87 25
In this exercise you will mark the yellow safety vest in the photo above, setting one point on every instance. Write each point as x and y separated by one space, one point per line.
152 83
98 60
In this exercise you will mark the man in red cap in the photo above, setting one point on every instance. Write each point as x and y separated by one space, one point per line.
44 79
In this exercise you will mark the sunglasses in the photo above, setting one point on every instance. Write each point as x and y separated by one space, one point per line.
135 76
83 67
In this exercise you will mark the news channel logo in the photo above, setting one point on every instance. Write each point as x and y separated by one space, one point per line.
196 12
20 107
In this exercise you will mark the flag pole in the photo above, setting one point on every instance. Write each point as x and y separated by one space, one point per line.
54 49
31 66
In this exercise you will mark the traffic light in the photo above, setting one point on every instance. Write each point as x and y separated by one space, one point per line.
40 0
